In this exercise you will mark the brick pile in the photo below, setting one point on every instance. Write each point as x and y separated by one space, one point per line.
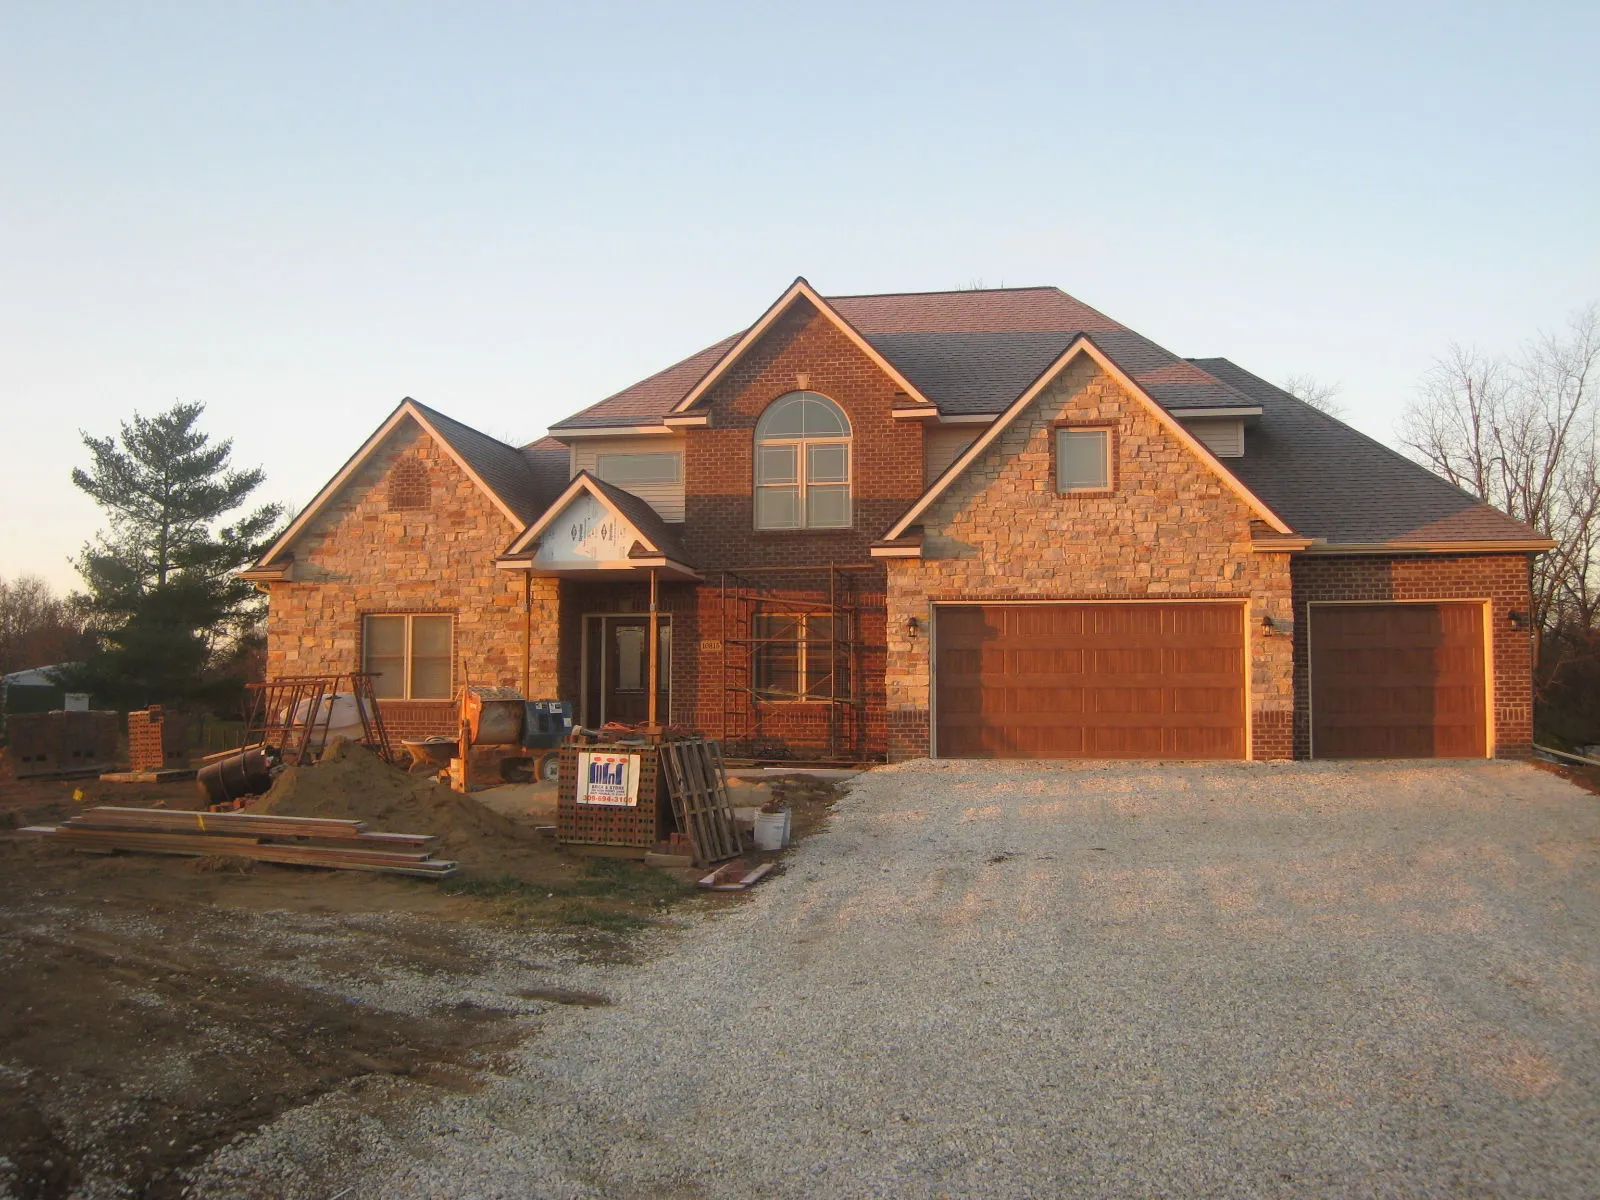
157 740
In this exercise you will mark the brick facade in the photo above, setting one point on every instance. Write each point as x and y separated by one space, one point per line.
1501 579
1171 529
362 555
886 455
423 539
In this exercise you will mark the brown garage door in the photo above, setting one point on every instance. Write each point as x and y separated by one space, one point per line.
1090 681
1397 681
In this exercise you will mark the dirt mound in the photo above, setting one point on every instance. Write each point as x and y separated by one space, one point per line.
353 784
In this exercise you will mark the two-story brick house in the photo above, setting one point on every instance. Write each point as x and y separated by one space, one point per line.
976 523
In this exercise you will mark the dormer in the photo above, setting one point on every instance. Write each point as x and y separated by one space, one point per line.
1220 430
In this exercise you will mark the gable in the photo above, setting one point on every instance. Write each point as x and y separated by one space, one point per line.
1165 496
1079 351
510 479
405 494
594 524
799 298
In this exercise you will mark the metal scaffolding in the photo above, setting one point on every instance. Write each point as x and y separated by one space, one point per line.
801 594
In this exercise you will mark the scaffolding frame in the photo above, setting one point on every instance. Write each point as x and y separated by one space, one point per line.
292 713
745 595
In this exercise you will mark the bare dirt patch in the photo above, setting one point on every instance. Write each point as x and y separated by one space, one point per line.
158 1008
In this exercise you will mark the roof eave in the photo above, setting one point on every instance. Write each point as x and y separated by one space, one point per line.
1489 546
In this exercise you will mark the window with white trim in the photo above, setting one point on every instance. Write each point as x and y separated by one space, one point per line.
1083 460
802 468
802 656
408 655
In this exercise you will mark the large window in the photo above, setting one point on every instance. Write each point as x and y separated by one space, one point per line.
1083 460
802 465
802 656
409 655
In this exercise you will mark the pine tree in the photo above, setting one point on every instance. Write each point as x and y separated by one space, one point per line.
161 584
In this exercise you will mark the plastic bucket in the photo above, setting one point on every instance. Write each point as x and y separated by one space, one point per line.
772 830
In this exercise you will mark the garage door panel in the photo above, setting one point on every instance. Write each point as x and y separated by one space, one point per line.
1126 700
1046 662
1203 660
1398 681
1127 741
1098 680
1145 661
1195 700
1044 699
1201 742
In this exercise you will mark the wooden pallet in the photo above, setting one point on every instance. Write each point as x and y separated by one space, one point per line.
699 790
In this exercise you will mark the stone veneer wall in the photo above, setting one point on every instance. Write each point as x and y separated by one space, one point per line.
1502 579
1171 529
359 557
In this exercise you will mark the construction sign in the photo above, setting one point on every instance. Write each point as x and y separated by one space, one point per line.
608 778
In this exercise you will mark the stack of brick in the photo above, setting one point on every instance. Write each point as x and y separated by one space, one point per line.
62 743
157 740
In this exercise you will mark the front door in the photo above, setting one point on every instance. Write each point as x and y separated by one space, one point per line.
617 669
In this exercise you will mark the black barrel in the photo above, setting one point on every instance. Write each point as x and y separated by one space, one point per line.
246 772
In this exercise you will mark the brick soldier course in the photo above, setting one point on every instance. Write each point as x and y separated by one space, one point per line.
433 517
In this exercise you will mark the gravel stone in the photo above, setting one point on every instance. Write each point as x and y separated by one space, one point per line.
1034 979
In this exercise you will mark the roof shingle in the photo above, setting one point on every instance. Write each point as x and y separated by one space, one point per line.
1330 481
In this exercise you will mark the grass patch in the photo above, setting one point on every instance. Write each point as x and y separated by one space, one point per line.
605 920
605 881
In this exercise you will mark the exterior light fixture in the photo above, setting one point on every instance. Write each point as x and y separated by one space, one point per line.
913 627
1518 618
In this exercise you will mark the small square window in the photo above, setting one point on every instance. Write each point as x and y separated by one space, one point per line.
1083 460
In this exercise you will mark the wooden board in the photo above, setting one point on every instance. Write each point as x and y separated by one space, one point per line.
1397 681
1090 681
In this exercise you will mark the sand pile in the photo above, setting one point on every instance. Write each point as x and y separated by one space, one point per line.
353 784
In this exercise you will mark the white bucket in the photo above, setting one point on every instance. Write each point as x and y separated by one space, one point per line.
772 830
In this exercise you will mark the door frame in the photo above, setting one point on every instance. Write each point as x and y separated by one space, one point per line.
934 605
1483 602
584 658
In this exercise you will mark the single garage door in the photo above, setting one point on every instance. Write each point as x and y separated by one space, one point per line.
1397 681
1090 681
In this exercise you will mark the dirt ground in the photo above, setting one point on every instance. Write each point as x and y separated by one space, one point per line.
157 1008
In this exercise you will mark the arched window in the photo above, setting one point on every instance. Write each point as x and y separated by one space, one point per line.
803 464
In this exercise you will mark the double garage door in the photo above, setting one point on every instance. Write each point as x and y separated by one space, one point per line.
1168 681
1090 681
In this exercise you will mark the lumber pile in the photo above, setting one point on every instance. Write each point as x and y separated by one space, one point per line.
306 841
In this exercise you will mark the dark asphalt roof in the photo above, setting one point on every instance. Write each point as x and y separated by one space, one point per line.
973 352
967 351
1328 480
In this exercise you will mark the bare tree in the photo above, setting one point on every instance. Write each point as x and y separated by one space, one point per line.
1521 433
37 627
1315 392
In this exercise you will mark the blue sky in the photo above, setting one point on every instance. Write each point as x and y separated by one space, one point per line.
299 214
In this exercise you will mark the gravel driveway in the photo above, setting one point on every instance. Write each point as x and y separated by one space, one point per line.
1034 980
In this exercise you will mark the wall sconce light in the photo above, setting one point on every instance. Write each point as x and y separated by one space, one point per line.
1271 626
1518 618
913 627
